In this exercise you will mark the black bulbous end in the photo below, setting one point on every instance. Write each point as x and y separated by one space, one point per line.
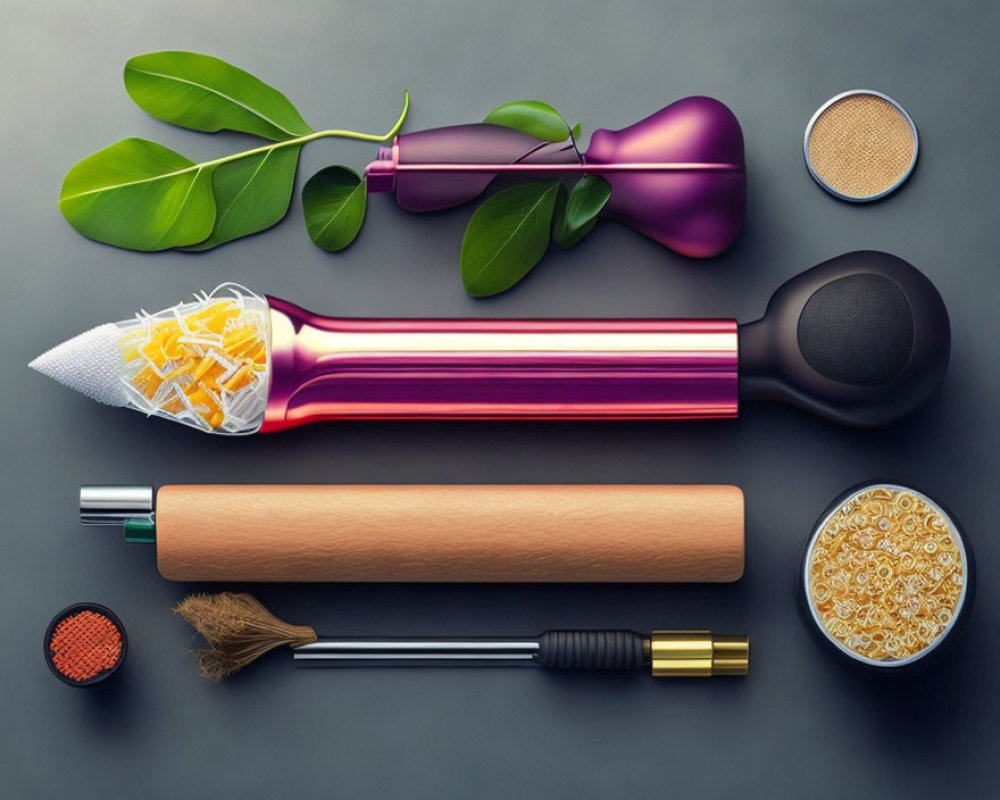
861 339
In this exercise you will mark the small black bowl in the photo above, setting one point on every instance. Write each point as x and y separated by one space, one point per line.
76 608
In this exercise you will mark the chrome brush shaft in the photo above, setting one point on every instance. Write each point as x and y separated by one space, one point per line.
418 653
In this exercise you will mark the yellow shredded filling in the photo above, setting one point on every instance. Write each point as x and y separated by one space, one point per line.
205 355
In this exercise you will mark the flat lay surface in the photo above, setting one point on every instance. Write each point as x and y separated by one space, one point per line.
802 723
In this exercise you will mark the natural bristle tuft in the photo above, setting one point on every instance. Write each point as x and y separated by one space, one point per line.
214 665
238 629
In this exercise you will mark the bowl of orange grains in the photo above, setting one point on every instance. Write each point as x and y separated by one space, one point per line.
85 644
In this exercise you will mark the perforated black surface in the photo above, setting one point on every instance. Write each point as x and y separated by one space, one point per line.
857 330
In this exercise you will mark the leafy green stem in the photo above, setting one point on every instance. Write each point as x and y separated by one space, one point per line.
311 137
141 195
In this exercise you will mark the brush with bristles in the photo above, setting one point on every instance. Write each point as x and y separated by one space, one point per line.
239 630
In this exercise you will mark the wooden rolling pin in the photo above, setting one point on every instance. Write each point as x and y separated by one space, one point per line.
528 533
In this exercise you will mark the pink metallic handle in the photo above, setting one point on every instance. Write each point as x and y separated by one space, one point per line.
339 368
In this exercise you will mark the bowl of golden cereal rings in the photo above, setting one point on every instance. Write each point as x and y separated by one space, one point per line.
887 576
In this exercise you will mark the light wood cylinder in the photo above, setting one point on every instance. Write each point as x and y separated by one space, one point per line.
532 533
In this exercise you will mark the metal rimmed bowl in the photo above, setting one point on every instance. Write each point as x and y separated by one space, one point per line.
905 553
865 147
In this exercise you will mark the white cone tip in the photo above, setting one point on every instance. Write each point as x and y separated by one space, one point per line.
91 363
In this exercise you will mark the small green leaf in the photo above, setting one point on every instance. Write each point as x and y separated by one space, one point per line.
576 131
251 194
207 94
139 195
559 233
530 116
334 202
506 237
576 216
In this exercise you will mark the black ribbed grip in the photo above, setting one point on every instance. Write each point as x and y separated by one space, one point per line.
591 650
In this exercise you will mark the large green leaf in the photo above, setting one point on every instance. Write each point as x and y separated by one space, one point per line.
334 201
506 237
207 94
530 116
252 194
576 216
140 195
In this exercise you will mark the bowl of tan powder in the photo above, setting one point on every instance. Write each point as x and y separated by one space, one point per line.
861 145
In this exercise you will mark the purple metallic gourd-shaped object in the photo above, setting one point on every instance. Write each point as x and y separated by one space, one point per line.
677 176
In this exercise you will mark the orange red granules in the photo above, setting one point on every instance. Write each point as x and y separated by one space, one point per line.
84 645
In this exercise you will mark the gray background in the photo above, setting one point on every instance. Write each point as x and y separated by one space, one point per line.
802 725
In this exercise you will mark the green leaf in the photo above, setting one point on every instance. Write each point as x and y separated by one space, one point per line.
334 202
577 216
576 131
530 116
506 237
207 94
139 195
251 194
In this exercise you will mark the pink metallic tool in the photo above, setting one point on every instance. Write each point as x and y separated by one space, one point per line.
861 339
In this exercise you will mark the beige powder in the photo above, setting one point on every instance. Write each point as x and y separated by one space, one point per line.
861 146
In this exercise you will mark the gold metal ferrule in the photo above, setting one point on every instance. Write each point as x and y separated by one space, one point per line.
698 654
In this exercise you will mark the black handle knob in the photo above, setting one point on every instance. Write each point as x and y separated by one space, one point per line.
861 339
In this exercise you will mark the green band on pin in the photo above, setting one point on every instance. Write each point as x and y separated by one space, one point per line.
140 530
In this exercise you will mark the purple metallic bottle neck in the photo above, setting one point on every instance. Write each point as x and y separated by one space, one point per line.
380 174
340 368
